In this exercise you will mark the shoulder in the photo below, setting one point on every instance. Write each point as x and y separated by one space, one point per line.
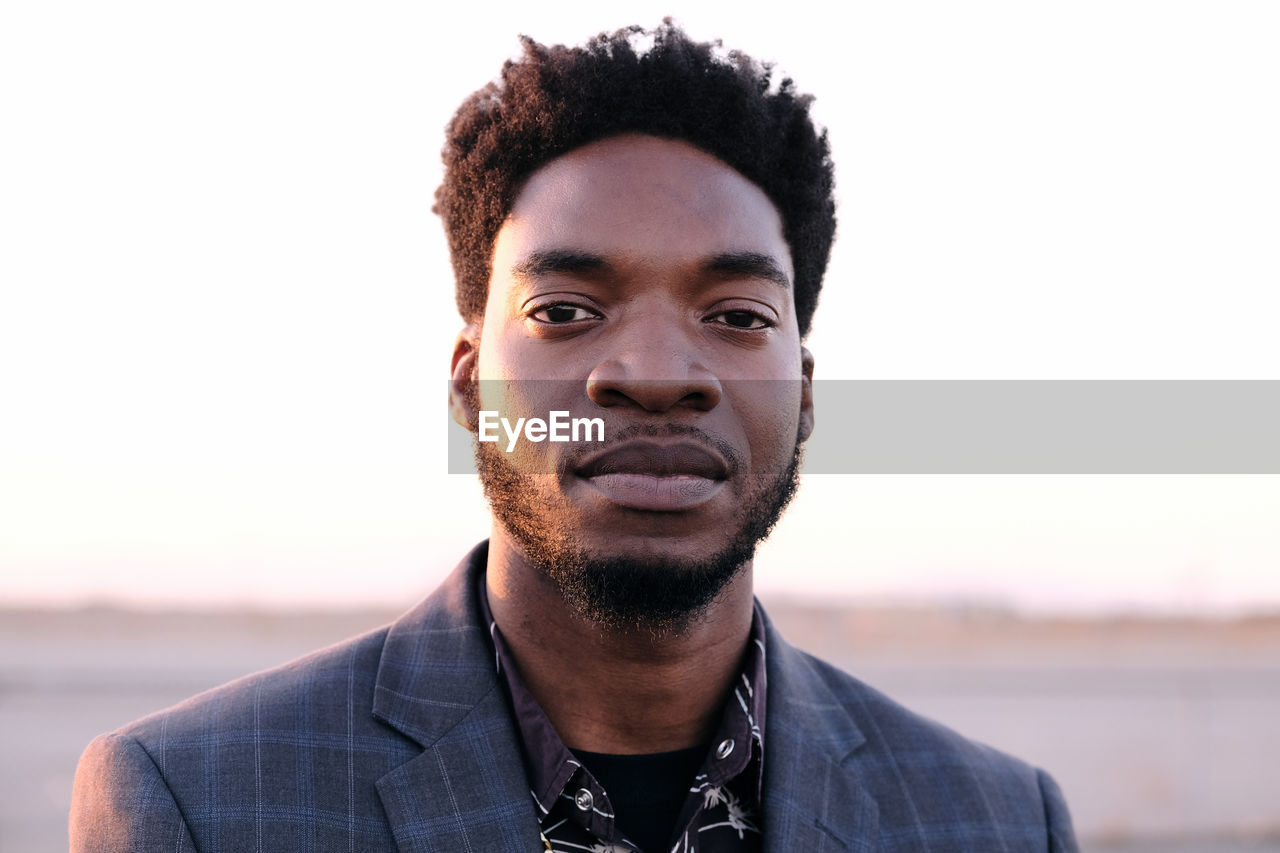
121 803
306 691
909 737
293 752
207 770
921 774
147 785
329 684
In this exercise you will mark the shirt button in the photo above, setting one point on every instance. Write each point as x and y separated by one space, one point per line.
723 750
583 799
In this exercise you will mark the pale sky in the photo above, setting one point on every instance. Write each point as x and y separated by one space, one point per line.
226 308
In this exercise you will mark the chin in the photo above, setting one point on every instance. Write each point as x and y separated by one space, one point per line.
674 555
652 591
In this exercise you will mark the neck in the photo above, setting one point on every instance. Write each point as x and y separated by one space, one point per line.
622 691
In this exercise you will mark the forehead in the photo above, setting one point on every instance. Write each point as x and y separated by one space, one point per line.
641 198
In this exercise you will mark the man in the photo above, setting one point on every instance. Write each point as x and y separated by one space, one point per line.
638 237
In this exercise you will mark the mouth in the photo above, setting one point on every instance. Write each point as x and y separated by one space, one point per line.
645 475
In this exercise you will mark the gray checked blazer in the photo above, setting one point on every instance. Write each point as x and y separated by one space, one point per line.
401 740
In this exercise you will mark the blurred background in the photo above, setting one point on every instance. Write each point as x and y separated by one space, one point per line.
226 314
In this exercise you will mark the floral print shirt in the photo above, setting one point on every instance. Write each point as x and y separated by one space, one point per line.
721 812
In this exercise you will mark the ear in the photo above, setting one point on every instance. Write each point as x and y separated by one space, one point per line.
806 394
463 392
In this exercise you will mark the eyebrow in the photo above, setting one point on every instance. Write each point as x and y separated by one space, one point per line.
553 261
750 265
573 261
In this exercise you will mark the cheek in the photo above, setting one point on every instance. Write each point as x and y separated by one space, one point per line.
498 365
500 396
531 422
770 418
494 359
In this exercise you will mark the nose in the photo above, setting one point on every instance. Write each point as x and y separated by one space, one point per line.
657 376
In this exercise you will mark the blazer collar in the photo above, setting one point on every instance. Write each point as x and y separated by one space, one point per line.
813 799
437 664
437 684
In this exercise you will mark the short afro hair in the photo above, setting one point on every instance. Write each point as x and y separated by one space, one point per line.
553 100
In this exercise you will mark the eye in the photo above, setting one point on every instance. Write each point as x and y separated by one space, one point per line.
740 319
562 312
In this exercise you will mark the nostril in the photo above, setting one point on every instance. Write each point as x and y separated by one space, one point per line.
602 393
698 390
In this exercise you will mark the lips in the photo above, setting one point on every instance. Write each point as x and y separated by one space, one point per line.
645 475
683 458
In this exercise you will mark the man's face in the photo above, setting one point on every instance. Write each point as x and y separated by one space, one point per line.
651 282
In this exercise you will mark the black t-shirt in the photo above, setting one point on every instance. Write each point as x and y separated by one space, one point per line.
647 791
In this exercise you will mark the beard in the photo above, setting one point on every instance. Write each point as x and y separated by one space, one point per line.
640 592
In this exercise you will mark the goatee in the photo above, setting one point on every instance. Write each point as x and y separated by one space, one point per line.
646 593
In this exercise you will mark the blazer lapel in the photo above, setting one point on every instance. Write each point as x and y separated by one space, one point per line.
437 684
812 798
